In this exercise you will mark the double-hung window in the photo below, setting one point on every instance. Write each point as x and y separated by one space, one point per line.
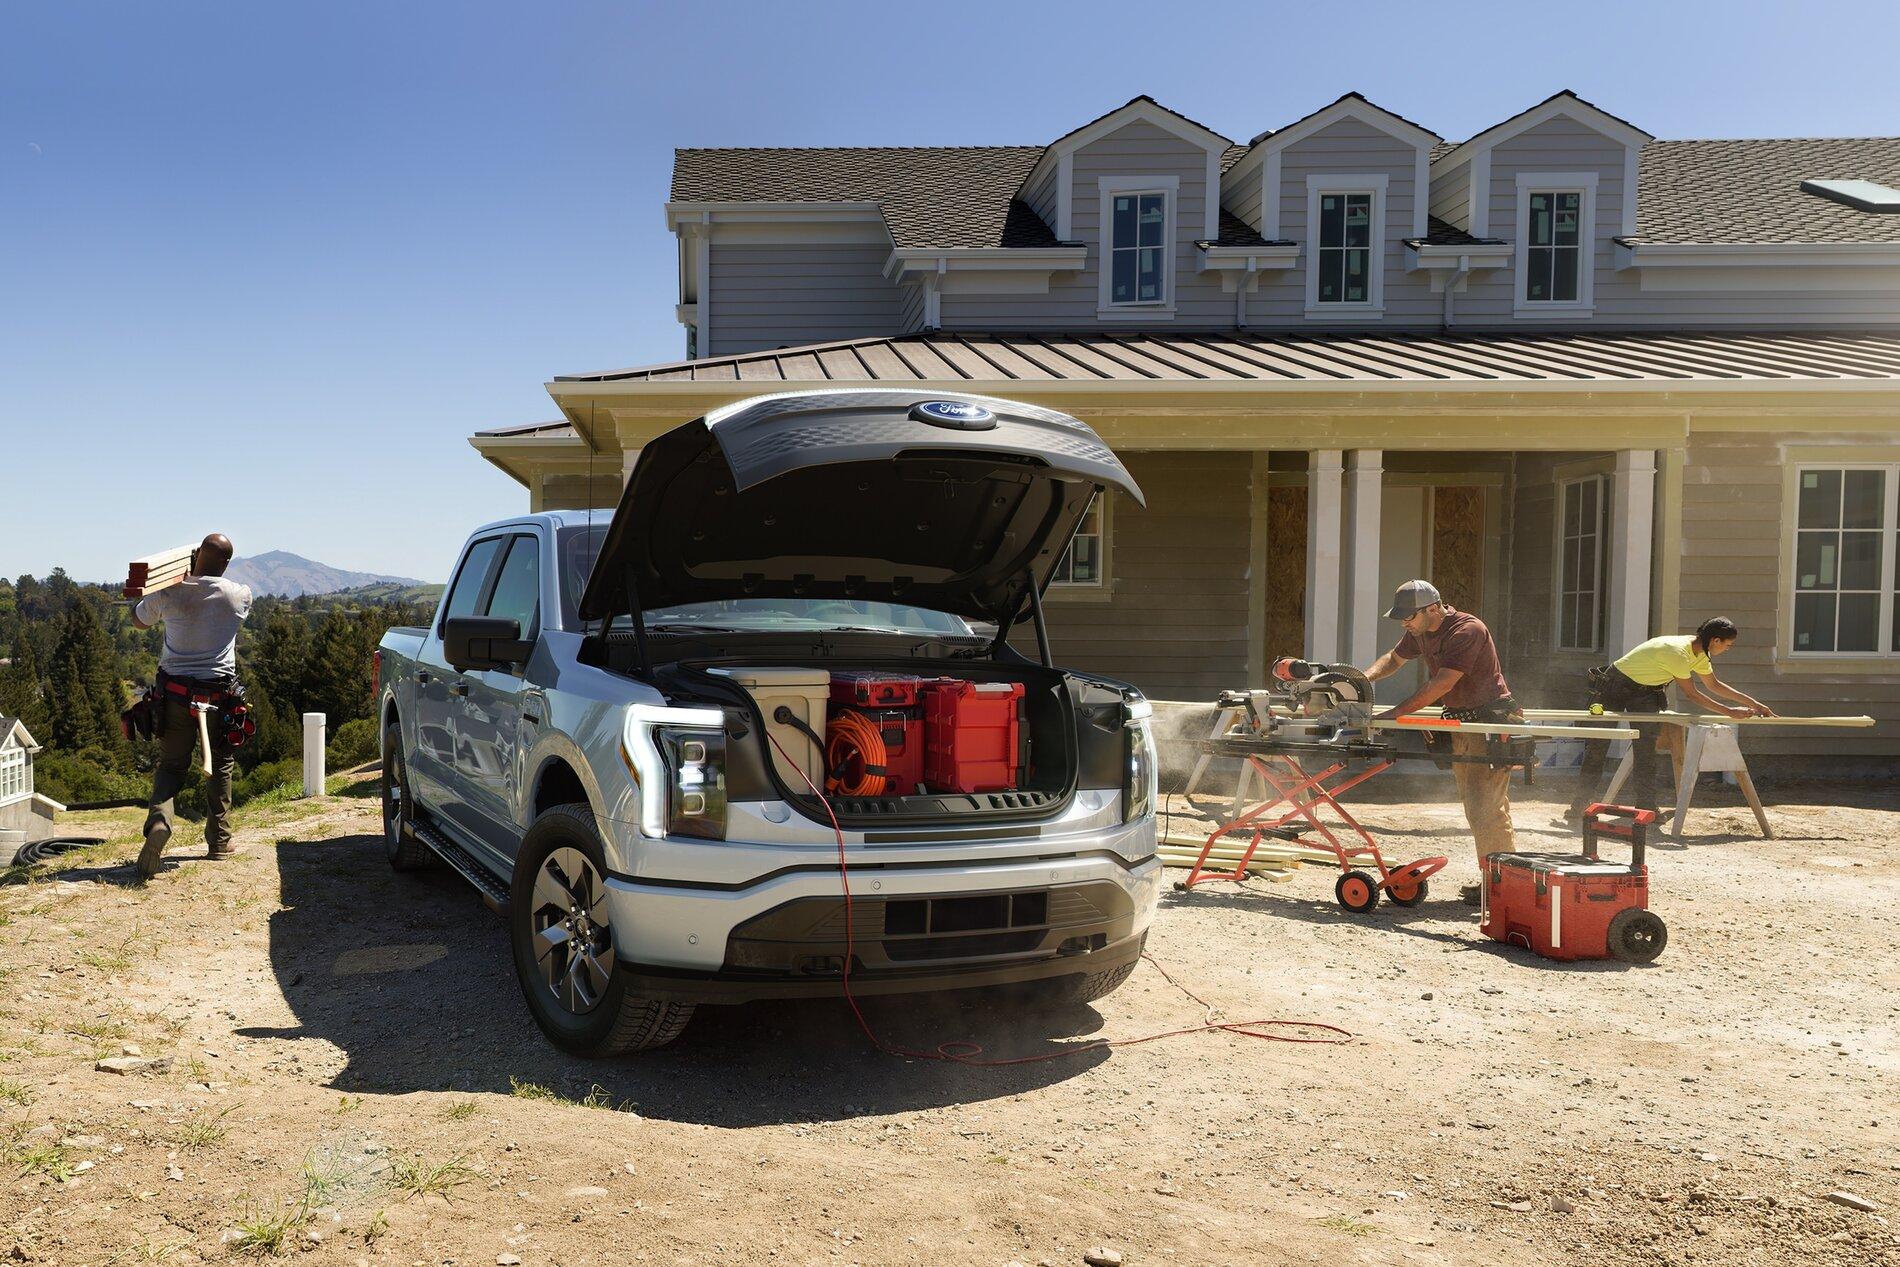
1345 246
1137 246
1844 549
1556 214
1580 505
12 773
1082 563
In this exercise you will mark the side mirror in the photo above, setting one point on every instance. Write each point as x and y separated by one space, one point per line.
484 642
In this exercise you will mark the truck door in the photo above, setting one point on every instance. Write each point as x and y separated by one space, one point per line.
432 761
489 722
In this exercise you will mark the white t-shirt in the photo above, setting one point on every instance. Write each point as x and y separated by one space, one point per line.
201 615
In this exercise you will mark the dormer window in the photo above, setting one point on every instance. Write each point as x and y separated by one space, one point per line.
1137 246
1556 237
1345 246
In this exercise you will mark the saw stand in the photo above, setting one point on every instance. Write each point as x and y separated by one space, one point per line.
1705 746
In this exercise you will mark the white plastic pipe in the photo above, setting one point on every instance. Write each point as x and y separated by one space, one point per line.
313 726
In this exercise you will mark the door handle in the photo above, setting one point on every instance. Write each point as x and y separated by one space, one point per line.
422 677
458 688
531 717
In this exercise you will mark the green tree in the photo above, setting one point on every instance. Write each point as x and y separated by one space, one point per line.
22 694
85 693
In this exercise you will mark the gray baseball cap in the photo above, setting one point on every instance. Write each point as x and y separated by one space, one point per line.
1411 597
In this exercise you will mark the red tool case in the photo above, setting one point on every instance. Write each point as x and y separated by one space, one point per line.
1568 906
972 736
892 702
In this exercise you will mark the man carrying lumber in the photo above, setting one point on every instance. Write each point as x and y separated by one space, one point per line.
1462 674
199 666
1639 683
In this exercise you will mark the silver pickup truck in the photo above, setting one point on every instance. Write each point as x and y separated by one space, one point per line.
622 731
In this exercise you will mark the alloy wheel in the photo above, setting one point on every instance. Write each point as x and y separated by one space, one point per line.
573 936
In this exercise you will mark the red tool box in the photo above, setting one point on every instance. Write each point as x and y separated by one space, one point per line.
891 701
972 736
1568 906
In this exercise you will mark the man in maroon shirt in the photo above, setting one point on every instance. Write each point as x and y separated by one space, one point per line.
1462 674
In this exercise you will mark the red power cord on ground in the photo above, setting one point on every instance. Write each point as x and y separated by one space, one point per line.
963 1052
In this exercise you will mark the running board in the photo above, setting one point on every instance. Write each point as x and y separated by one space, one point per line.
493 891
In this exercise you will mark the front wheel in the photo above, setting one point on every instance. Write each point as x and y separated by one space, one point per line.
563 936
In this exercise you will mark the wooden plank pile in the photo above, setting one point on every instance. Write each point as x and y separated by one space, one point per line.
155 572
1274 860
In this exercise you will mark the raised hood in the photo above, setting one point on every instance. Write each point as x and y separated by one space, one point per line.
940 501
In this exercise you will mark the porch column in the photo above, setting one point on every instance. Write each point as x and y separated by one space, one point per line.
1257 547
627 460
1632 538
1322 555
537 493
1364 480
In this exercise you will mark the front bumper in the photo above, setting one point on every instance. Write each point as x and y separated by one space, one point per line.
1081 910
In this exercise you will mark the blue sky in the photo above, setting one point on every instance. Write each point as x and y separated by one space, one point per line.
263 268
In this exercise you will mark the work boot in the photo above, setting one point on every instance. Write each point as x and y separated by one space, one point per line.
1472 895
158 833
218 853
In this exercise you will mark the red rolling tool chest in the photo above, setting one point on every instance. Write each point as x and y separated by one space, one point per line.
972 736
1565 906
894 704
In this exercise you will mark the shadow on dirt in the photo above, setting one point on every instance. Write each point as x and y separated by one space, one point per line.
412 978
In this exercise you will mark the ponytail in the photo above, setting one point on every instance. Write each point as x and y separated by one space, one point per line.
1711 629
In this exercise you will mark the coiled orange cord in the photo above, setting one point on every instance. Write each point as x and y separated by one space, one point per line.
855 754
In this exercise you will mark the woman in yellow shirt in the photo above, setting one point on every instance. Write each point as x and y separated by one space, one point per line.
1638 683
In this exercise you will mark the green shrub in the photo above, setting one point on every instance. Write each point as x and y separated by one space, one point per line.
87 775
353 743
267 778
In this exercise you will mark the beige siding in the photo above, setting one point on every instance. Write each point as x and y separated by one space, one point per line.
1732 528
1175 623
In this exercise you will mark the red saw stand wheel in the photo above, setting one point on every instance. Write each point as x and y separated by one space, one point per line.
1406 885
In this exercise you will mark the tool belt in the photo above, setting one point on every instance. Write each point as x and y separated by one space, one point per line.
1617 691
231 726
1501 752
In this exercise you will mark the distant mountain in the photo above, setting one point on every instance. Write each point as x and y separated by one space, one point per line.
292 575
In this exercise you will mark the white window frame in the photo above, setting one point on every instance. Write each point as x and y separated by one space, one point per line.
1099 506
1559 590
1316 187
1890 526
1169 187
13 770
1585 185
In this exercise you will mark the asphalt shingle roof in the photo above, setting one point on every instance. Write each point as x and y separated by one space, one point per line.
1750 191
932 196
1740 191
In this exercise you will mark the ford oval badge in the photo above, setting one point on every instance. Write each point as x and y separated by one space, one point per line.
956 414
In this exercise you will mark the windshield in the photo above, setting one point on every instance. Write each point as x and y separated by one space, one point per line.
579 545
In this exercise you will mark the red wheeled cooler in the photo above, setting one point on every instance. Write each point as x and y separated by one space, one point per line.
891 701
1566 906
972 736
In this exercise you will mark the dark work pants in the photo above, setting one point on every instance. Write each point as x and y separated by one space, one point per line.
1620 695
177 754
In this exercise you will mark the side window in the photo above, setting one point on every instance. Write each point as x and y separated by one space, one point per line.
466 592
518 587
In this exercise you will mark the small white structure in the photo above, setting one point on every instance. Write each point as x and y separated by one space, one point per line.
313 728
21 808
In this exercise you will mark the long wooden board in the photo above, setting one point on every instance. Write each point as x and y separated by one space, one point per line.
157 571
1435 725
1674 718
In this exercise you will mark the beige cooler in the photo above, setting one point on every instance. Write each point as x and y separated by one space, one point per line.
807 692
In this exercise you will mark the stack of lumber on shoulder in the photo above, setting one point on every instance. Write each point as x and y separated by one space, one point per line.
156 571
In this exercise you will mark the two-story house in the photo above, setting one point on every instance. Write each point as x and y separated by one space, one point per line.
1596 385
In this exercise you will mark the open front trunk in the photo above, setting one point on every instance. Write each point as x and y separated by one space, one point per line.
988 753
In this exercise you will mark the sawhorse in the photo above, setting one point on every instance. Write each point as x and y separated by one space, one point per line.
1704 747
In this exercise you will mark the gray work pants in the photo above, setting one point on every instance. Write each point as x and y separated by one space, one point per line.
177 754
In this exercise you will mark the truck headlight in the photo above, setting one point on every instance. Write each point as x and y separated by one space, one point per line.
1138 773
678 760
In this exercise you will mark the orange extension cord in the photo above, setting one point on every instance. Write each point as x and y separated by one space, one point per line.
963 1052
849 735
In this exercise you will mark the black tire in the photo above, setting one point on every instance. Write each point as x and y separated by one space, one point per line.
1412 898
405 852
1637 936
615 1022
1357 892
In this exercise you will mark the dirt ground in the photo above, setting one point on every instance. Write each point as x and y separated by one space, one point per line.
353 1078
